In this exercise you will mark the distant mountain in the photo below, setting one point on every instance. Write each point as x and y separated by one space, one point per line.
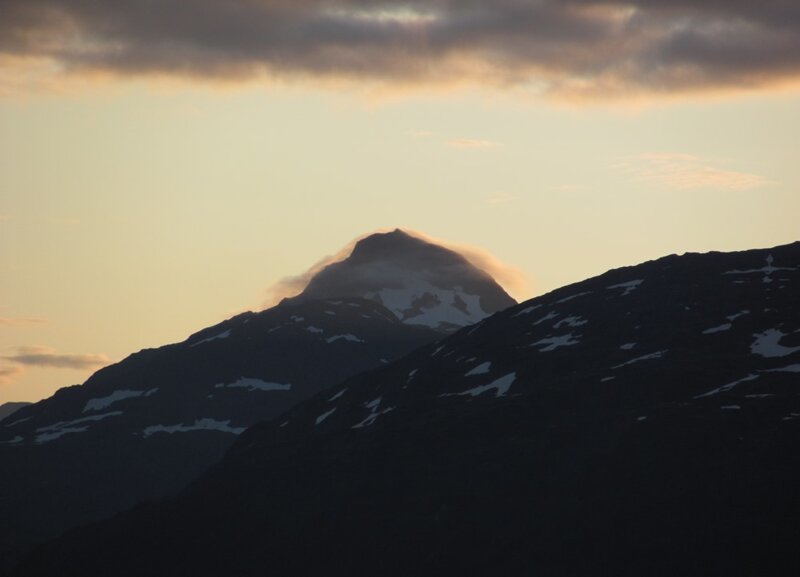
643 422
7 409
420 282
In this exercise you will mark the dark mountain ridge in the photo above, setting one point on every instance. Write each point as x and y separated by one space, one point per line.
646 421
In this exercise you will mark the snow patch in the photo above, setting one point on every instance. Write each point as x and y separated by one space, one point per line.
527 310
324 416
17 422
314 330
554 342
99 403
337 395
348 337
222 335
481 369
569 298
447 306
500 386
767 344
199 425
56 430
252 384
374 413
790 369
629 286
651 356
718 329
627 346
606 379
549 316
735 316
728 387
571 322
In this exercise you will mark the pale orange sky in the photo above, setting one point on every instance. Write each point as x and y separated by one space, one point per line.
136 209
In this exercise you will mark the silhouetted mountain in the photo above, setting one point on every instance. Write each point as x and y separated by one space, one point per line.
420 282
146 426
8 409
643 422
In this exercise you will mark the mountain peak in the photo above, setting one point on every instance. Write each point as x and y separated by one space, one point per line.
421 282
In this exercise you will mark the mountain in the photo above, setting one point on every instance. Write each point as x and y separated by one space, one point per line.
420 282
143 428
7 409
643 422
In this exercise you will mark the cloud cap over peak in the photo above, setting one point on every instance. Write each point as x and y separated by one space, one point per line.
563 46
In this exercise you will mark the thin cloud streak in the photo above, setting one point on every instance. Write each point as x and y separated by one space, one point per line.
9 373
687 172
564 47
47 357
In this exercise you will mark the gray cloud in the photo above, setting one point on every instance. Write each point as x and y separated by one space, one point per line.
572 46
47 357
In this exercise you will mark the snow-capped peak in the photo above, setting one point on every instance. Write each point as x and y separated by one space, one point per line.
420 282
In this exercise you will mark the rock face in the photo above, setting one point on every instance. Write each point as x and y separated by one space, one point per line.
420 282
643 422
145 427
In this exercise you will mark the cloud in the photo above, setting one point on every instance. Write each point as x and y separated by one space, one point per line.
9 373
20 322
47 357
685 172
512 279
293 285
471 143
596 47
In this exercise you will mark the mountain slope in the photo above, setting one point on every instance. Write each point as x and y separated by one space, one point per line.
646 421
8 409
420 282
144 427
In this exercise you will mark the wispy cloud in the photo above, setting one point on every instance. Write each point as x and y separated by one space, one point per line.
421 133
47 357
510 277
9 373
590 46
472 143
685 172
20 322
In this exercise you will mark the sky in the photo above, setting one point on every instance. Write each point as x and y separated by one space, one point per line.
163 164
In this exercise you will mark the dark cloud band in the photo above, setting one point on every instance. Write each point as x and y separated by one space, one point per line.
593 45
